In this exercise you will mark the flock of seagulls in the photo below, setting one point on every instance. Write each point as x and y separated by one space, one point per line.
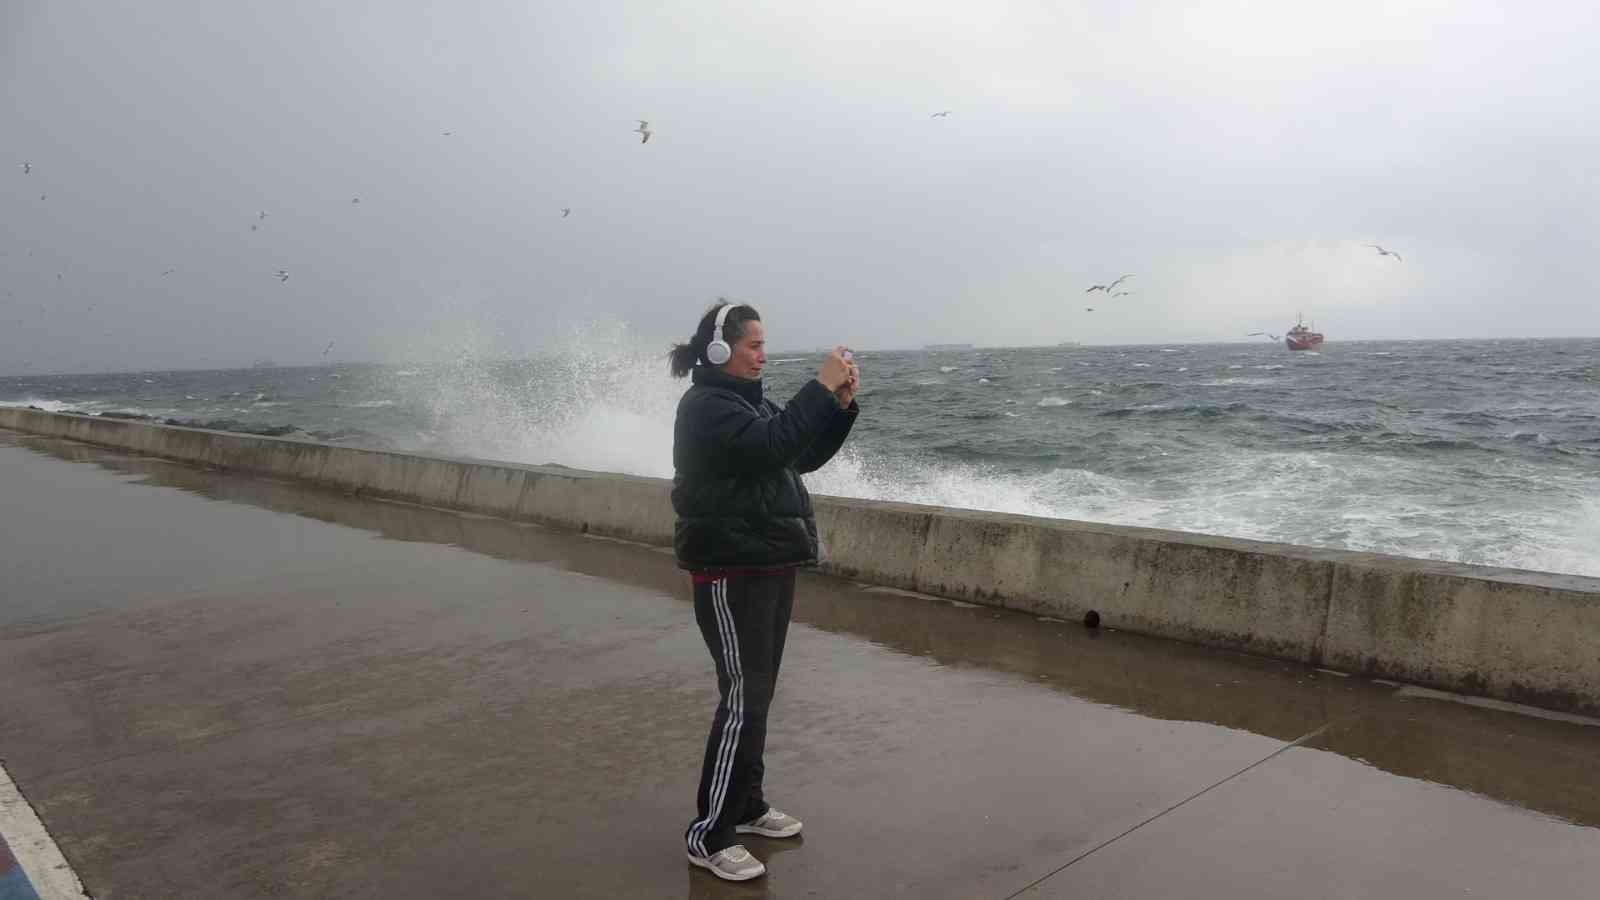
1110 290
645 133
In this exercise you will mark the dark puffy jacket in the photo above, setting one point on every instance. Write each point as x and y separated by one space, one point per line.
737 491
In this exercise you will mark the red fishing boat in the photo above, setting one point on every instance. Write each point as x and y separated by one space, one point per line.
1302 338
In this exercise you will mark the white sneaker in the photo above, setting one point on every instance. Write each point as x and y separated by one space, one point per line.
731 864
774 824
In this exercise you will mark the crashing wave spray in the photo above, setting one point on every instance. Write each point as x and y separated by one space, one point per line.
602 400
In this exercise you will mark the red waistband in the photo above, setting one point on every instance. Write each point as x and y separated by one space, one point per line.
708 576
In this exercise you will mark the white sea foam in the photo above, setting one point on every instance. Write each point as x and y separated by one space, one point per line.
46 405
1053 401
1340 502
947 369
1231 382
373 404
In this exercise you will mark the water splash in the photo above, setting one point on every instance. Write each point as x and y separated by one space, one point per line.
602 400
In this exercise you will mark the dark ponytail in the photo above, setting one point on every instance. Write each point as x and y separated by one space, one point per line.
682 358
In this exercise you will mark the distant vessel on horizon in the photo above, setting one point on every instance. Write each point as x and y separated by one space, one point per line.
947 346
263 364
1302 338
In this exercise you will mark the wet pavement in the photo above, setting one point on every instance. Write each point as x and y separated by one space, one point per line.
214 686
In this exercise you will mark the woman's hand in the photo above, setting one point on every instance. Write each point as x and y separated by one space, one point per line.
835 371
847 392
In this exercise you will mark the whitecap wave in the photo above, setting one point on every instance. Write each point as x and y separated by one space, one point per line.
46 405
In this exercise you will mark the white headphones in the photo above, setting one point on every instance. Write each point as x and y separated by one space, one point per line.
719 351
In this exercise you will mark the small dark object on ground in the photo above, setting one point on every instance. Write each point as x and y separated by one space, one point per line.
1091 619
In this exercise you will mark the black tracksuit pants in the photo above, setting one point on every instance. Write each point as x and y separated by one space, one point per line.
744 620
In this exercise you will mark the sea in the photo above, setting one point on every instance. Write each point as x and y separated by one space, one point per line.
1474 451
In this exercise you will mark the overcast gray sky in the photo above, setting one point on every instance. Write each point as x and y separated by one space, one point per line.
1237 157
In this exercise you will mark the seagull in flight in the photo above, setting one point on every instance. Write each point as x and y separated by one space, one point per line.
1271 337
1088 309
447 133
1122 293
327 348
942 114
282 275
355 199
1108 288
566 211
1383 252
643 131
262 214
26 167
168 272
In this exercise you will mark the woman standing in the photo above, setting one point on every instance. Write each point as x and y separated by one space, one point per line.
744 526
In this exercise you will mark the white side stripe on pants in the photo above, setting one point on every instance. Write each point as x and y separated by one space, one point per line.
728 747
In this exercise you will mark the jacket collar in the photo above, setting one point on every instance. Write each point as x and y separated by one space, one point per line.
711 376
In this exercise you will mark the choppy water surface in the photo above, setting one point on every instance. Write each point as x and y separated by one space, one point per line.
1484 452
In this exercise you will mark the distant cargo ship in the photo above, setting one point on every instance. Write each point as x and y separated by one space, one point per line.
1302 338
947 346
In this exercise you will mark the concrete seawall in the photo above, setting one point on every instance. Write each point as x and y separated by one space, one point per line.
1514 635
